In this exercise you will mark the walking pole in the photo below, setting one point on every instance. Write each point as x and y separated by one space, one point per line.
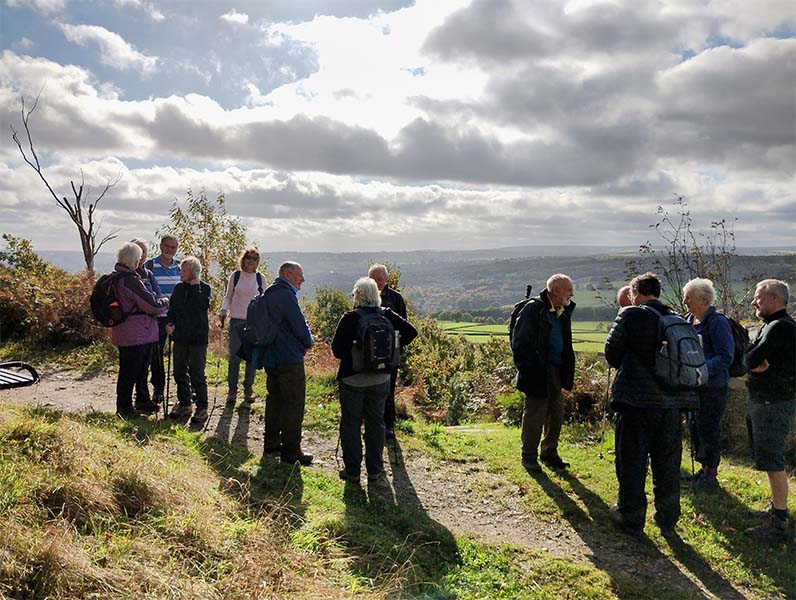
215 395
605 410
168 378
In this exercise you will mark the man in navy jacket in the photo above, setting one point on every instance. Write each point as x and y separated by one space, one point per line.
283 362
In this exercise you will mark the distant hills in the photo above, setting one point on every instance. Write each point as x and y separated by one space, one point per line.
436 280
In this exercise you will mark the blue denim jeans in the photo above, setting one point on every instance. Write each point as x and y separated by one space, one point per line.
233 372
358 404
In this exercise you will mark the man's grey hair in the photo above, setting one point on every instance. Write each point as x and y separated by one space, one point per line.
289 267
169 237
555 280
366 292
376 268
129 255
194 266
701 288
778 288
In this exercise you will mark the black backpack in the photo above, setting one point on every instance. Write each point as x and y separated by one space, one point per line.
104 300
740 337
515 312
260 329
679 362
376 345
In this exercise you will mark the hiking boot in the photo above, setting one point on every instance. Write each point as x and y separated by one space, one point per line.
346 476
127 413
772 528
272 454
762 514
232 396
376 478
199 417
180 411
147 407
554 461
618 519
695 477
305 460
531 465
248 395
706 485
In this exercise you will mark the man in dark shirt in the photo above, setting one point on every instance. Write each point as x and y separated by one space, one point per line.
393 300
771 360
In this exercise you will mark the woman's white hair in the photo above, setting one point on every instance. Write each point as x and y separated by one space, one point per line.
701 288
193 264
366 292
129 255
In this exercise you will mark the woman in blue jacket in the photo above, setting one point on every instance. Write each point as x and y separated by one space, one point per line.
717 343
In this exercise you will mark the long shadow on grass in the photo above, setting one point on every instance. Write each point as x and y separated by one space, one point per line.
684 553
634 564
398 546
774 558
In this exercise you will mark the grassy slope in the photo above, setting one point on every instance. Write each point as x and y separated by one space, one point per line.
587 336
93 507
64 480
714 545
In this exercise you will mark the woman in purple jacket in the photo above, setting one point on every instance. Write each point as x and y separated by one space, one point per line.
135 335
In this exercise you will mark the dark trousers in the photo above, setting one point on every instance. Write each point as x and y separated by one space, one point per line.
284 410
189 373
358 404
133 362
156 369
649 436
543 413
389 403
705 426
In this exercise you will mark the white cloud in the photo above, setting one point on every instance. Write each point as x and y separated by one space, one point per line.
44 6
149 8
449 123
24 44
114 51
233 16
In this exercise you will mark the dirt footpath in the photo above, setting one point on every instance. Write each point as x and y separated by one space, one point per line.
464 497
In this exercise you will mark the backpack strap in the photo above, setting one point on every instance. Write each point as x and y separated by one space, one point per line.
236 279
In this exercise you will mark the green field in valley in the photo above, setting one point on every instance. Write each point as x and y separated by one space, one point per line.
587 336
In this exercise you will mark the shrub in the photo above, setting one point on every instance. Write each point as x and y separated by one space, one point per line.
42 303
509 406
325 311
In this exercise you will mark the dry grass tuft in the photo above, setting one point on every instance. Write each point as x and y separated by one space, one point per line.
99 511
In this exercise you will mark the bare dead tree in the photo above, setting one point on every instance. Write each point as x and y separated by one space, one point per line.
80 211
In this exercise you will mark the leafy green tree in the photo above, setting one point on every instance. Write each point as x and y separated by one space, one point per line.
205 230
326 310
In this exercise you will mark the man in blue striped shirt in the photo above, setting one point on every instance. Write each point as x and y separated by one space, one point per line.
166 270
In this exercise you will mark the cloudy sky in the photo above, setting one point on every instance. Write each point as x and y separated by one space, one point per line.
340 125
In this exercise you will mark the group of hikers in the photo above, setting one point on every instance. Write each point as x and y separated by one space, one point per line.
166 305
649 407
164 312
